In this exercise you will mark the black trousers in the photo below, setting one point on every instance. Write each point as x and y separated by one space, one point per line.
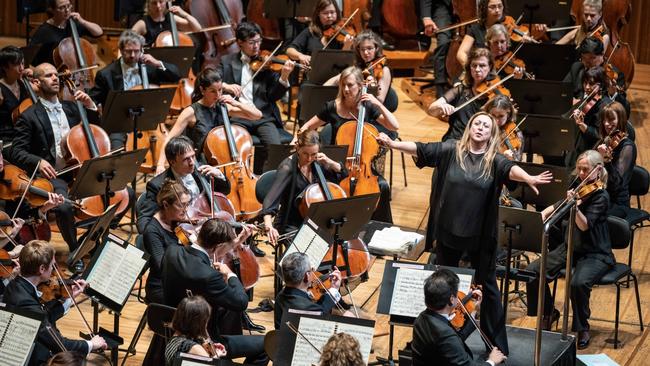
587 271
268 133
442 17
383 211
483 260
65 215
249 346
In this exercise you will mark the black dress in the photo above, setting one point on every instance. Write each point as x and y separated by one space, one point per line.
284 197
619 173
206 119
458 121
10 102
307 43
49 36
154 28
156 240
464 209
477 31
329 114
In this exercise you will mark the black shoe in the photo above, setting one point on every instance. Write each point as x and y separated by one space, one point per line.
248 324
548 320
385 45
583 339
257 251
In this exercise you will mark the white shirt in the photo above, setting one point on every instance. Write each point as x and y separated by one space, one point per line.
246 76
130 75
60 128
190 183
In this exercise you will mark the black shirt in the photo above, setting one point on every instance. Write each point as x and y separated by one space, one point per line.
156 240
9 103
49 36
595 240
619 172
307 43
458 121
477 31
154 28
206 119
328 114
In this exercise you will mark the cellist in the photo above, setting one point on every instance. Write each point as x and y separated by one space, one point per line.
156 20
346 108
57 27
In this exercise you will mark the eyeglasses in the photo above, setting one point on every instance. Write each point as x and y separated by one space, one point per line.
64 7
368 49
253 42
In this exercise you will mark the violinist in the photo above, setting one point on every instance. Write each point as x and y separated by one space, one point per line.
504 112
197 268
619 153
368 51
190 325
36 266
39 133
592 255
294 174
183 167
437 14
197 120
498 40
57 27
263 91
173 198
592 54
124 74
156 20
477 71
464 197
345 108
592 18
435 341
12 90
298 276
325 18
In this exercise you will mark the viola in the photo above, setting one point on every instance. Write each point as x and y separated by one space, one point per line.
232 147
320 191
518 32
587 189
612 141
274 64
75 53
511 139
15 181
509 64
486 88
338 32
375 69
459 316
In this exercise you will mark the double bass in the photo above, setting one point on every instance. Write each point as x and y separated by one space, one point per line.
616 14
210 13
74 53
464 11
231 147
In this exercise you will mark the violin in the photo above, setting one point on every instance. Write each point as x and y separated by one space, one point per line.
459 316
511 139
509 64
493 87
274 64
612 141
320 191
518 33
338 32
15 181
375 69
585 190
75 53
214 349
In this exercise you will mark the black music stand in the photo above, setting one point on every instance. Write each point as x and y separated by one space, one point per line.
548 193
312 98
94 237
328 63
29 52
279 152
548 135
25 8
518 229
533 12
181 56
540 96
548 61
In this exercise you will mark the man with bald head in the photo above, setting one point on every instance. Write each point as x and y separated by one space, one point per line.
39 132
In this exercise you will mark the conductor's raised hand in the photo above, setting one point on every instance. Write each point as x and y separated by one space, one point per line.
535 180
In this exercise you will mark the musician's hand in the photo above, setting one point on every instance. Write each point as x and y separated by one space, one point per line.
98 343
76 16
603 150
447 109
519 72
571 194
28 73
178 11
246 232
303 19
535 180
497 356
429 26
15 252
304 59
85 99
147 59
223 269
370 98
211 171
227 99
78 287
335 279
509 154
18 224
326 162
286 70
348 42
46 170
233 89
384 140
540 28
478 296
219 350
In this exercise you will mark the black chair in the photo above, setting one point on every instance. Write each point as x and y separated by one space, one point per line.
637 217
258 163
264 184
159 318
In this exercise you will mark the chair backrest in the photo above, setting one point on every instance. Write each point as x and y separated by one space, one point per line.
639 182
159 318
619 232
271 343
264 184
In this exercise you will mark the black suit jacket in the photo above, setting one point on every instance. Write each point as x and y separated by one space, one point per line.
35 138
293 298
435 342
187 268
21 294
110 78
427 7
147 206
267 90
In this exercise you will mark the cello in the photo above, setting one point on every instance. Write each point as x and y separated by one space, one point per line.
219 42
22 107
363 148
464 11
74 53
231 146
270 27
399 18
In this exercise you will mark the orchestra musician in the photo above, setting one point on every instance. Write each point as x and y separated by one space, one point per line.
479 68
183 167
57 27
197 120
196 268
263 91
12 90
40 131
298 277
36 266
345 108
341 349
592 18
464 205
504 112
592 254
124 74
619 152
435 341
156 20
67 358
437 14
326 15
294 174
368 50
498 40
190 325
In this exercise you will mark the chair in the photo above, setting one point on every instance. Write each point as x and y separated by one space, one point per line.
264 184
258 163
159 318
637 217
271 344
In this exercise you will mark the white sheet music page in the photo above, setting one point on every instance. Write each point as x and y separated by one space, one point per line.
309 242
408 292
317 331
362 334
17 337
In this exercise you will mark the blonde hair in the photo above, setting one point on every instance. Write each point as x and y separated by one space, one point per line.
593 158
358 77
462 148
495 30
341 350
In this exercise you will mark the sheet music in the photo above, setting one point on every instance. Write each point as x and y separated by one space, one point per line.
115 271
308 241
18 335
408 292
319 331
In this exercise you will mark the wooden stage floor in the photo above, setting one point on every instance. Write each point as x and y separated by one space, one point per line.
410 209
